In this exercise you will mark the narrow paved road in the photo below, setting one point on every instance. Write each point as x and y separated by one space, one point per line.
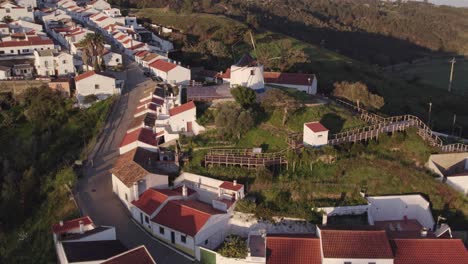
94 191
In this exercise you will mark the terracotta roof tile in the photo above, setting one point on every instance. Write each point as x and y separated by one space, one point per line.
32 41
182 108
89 74
316 127
71 224
151 199
163 65
134 165
291 248
230 186
429 251
367 244
288 78
144 135
185 216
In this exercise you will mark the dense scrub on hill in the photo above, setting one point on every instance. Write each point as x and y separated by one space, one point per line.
373 31
41 137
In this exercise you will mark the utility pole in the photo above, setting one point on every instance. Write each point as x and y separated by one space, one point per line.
451 74
453 124
429 115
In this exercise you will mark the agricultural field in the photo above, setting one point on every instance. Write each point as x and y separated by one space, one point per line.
437 72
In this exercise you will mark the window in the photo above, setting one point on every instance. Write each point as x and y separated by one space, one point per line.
66 71
64 62
146 219
161 230
371 262
8 10
26 50
25 71
252 72
46 63
319 135
12 51
347 262
2 52
206 242
117 60
126 197
96 86
183 239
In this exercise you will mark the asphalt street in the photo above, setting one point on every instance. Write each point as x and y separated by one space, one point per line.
93 192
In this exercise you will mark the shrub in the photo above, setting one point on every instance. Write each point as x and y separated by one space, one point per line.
234 247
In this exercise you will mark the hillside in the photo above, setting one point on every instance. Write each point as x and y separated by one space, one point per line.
376 32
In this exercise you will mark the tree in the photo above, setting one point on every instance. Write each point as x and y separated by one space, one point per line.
233 247
233 121
359 93
187 7
93 48
206 4
244 96
277 99
89 99
7 19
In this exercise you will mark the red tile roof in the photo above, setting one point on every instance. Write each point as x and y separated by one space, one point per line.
429 251
367 244
151 199
290 248
138 255
71 224
89 74
316 126
182 108
185 216
144 135
32 41
230 186
288 78
137 46
163 65
102 18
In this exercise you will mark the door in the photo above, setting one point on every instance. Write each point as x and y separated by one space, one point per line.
172 237
189 127
141 218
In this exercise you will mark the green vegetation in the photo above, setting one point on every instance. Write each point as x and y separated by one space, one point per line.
42 136
233 247
436 73
358 93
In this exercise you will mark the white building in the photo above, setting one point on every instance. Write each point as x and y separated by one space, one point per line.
299 81
144 137
247 72
135 172
94 83
23 26
170 72
25 45
52 62
5 72
99 5
27 3
400 210
315 134
112 59
452 169
16 12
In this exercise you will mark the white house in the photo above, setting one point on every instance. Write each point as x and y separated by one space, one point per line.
135 172
170 72
5 72
354 246
94 83
24 46
99 5
143 137
411 212
27 3
112 59
183 119
299 81
16 12
247 72
188 223
23 26
315 134
53 62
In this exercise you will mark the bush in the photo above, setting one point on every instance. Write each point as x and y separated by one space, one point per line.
234 247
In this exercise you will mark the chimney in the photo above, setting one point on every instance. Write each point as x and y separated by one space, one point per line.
424 232
61 223
184 191
135 190
234 182
81 227
324 219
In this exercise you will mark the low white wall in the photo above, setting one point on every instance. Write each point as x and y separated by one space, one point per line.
460 183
